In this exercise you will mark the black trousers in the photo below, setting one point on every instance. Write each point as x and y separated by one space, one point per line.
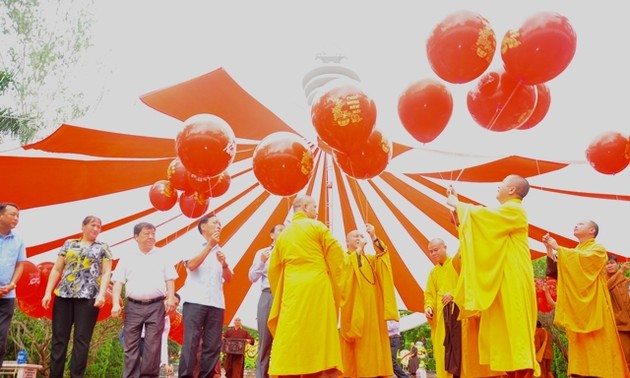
69 312
151 317
264 336
6 315
394 344
205 323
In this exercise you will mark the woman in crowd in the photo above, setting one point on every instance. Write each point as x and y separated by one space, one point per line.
83 270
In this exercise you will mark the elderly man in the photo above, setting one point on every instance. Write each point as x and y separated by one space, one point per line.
368 301
235 362
305 276
583 306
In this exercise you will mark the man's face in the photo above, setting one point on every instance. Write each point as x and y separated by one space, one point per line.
310 208
612 266
356 241
437 252
211 226
276 232
582 229
146 238
503 192
10 217
237 323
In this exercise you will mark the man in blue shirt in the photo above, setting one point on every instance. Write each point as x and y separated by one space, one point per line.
258 271
12 257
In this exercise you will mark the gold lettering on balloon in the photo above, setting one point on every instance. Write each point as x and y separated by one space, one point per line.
352 114
385 145
510 41
486 43
306 165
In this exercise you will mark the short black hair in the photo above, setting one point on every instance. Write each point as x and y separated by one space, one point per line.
612 257
3 206
203 220
137 229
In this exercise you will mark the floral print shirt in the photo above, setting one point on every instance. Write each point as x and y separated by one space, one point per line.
81 276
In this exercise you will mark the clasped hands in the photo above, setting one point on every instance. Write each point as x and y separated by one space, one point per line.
451 195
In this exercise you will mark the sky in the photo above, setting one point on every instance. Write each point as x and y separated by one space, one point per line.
268 47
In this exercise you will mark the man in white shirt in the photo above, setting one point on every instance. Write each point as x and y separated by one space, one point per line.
258 271
204 302
149 286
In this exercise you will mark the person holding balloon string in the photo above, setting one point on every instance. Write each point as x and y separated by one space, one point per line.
12 260
583 305
80 278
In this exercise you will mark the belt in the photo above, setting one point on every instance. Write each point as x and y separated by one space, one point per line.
266 290
146 301
395 337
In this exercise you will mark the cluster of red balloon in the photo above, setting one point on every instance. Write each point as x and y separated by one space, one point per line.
541 297
31 287
205 148
344 118
609 152
283 163
461 48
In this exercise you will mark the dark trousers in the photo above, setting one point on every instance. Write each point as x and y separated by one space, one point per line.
69 312
151 317
6 314
205 323
264 336
394 344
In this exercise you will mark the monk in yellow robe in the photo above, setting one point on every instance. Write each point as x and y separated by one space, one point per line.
438 294
496 280
305 276
369 300
544 350
620 299
583 305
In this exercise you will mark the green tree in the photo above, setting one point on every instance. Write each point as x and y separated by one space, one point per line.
44 44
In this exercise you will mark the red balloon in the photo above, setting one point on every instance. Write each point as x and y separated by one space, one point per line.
368 161
500 103
178 175
206 145
540 49
609 152
461 47
176 333
541 298
220 184
199 184
283 163
343 116
28 284
543 101
106 310
193 204
31 306
425 108
162 195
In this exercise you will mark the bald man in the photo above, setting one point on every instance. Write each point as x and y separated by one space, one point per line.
305 276
368 301
583 305
496 280
234 363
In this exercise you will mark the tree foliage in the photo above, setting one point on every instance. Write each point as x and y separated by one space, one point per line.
43 46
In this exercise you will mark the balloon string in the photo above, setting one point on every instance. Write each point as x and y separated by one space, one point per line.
360 202
498 113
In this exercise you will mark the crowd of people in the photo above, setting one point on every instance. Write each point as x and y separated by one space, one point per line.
480 302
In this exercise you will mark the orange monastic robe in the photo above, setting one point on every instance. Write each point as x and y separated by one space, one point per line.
305 275
369 300
618 287
442 280
496 283
584 309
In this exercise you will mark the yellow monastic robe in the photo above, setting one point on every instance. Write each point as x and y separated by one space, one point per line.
584 309
496 283
442 279
368 301
305 275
